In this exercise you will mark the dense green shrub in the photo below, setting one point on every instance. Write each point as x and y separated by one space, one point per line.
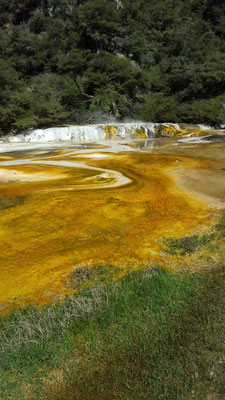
164 58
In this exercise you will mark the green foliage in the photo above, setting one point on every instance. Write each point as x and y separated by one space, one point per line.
38 21
26 120
45 90
158 108
110 101
211 111
187 244
15 100
163 58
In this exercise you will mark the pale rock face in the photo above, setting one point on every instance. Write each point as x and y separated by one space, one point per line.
100 132
71 133
205 127
85 133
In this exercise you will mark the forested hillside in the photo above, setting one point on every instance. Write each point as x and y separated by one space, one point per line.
62 61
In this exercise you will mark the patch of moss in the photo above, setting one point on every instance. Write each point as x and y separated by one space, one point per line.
187 244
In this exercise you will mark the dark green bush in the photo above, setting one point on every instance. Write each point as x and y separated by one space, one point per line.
131 59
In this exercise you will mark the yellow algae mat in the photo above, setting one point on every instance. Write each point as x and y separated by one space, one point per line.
67 209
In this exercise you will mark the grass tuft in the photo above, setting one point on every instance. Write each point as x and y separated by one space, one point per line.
190 244
221 226
187 244
88 274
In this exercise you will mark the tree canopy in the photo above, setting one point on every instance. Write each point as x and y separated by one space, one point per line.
156 60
